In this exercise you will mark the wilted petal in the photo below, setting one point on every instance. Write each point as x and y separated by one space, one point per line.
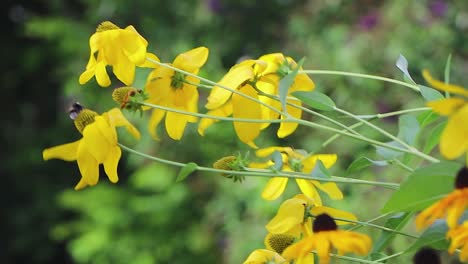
191 60
124 70
117 119
89 167
249 109
110 164
290 214
156 117
287 128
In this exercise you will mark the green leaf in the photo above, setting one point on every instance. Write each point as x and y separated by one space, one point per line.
434 137
395 222
433 237
278 160
408 127
423 187
402 64
427 117
286 82
315 100
429 94
320 170
186 171
364 162
389 154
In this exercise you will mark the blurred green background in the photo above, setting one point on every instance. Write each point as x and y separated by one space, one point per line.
147 217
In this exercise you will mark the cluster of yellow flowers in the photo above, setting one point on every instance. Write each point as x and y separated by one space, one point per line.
250 93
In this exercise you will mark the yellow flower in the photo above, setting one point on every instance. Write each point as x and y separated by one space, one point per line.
123 49
249 77
279 66
295 215
459 239
453 205
264 256
224 103
98 145
326 236
454 138
170 88
296 161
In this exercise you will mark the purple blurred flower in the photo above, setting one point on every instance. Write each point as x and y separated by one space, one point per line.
438 8
215 6
369 21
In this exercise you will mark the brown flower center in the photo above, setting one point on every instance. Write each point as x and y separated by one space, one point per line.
426 256
279 242
461 181
106 25
324 222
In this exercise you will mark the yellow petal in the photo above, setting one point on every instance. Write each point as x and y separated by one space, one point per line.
175 125
64 152
133 44
263 256
90 69
246 108
443 86
287 128
149 64
335 213
261 165
89 167
273 61
328 160
101 75
223 111
98 138
309 190
290 214
233 79
323 247
329 188
81 184
159 89
156 117
110 164
302 82
446 106
274 188
191 60
125 71
454 138
117 119
265 152
306 259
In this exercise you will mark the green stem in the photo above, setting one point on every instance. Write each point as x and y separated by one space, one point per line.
352 259
391 256
411 149
215 84
389 114
264 173
336 136
402 165
361 75
247 120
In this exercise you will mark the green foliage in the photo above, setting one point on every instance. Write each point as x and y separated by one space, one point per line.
316 100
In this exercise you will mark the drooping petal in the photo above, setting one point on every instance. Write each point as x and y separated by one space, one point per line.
329 188
268 113
287 128
191 105
454 138
309 190
111 163
443 86
159 89
156 117
89 167
64 152
328 160
335 213
117 119
290 214
175 124
101 74
81 184
192 60
233 79
246 108
265 152
322 245
306 259
446 106
94 142
274 188
262 256
133 45
148 61
302 82
223 111
125 71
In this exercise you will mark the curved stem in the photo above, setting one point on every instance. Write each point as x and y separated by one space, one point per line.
361 75
389 114
264 173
